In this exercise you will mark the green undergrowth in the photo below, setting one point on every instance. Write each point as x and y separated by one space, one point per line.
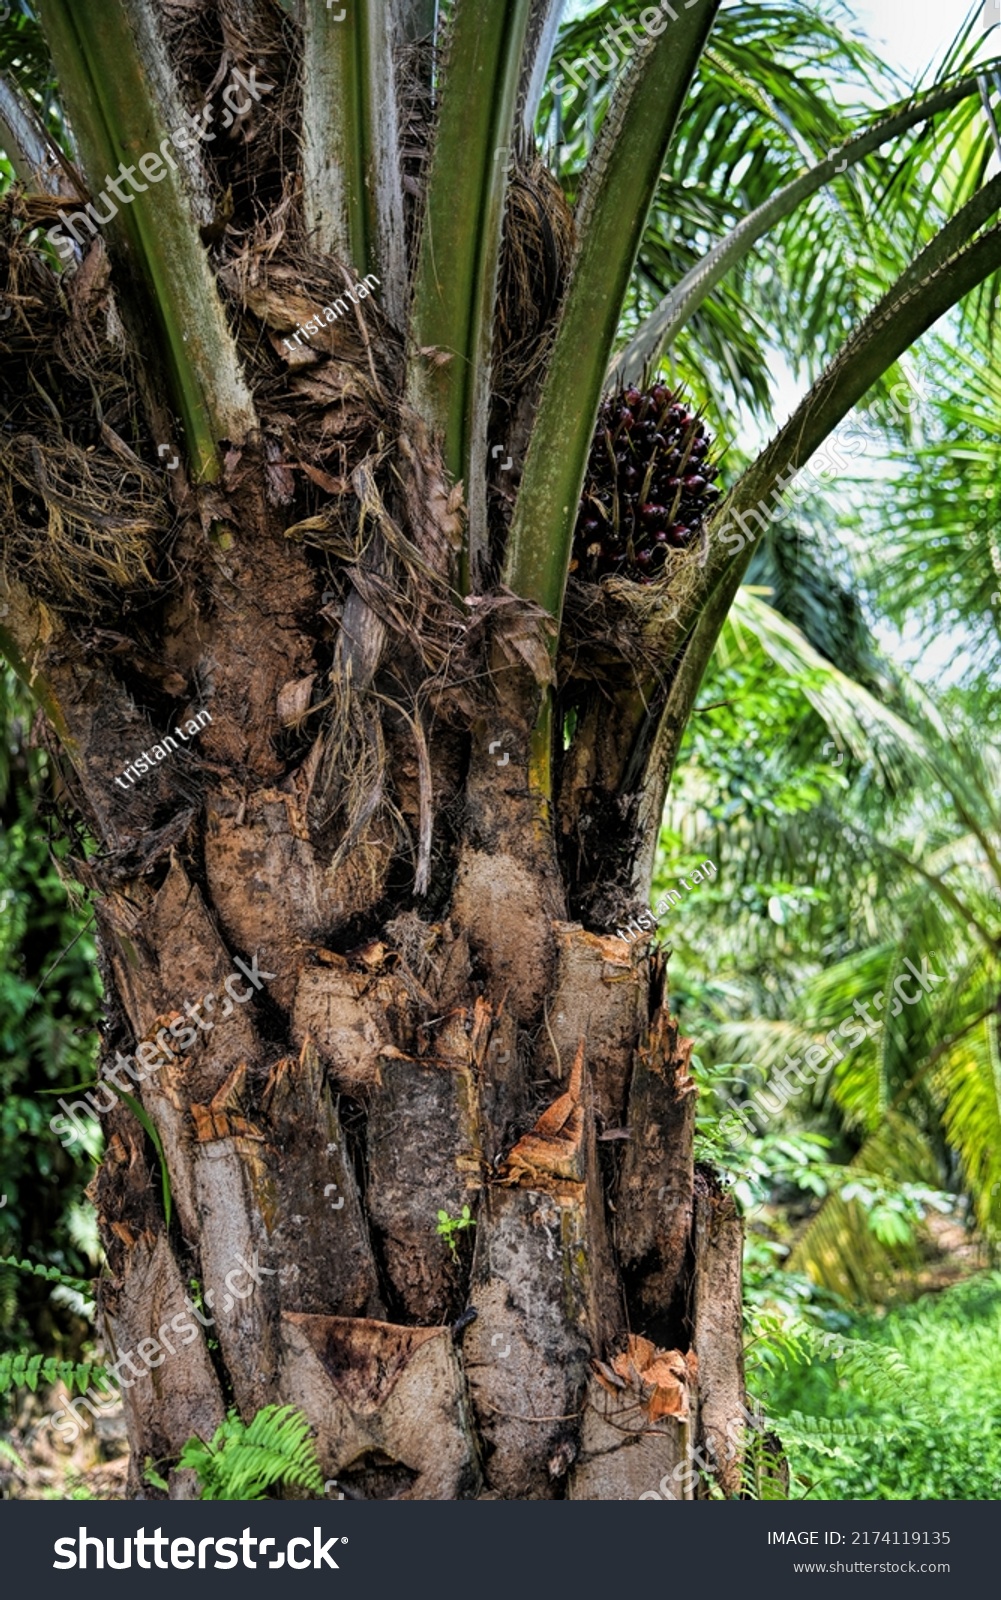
850 1438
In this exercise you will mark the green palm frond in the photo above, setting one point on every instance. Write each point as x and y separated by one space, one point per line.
940 513
838 1248
759 115
967 1083
869 729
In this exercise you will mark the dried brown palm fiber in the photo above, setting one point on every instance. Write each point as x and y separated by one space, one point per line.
355 788
42 210
425 792
350 793
207 44
273 272
396 601
415 940
617 623
385 567
22 270
261 48
535 262
332 388
327 397
84 526
62 352
416 65
92 341
254 34
192 31
84 518
435 509
387 528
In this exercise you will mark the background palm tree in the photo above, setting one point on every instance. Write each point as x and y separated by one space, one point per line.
363 565
838 878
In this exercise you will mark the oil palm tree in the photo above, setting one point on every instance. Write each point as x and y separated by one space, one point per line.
297 436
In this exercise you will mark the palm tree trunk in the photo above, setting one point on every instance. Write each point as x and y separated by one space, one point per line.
498 1057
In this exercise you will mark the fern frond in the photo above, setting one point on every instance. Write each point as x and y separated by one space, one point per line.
242 1461
25 1369
765 1467
8 1453
829 1435
51 1274
876 1372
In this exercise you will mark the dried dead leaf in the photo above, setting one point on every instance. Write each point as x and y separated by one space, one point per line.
279 476
607 1377
294 699
661 1379
323 480
554 1146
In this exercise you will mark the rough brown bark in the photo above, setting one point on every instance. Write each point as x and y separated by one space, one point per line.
342 1216
718 1328
502 1058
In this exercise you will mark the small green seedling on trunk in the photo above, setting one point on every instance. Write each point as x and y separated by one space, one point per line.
448 1226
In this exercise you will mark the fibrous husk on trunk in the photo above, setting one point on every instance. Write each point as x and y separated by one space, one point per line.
411 1177
599 992
166 1406
330 1269
622 1456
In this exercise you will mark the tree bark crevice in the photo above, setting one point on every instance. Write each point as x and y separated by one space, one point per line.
654 1198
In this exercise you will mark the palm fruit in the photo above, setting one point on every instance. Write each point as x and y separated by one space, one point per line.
648 488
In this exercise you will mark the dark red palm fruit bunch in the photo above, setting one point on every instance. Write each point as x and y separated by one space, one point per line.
648 487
